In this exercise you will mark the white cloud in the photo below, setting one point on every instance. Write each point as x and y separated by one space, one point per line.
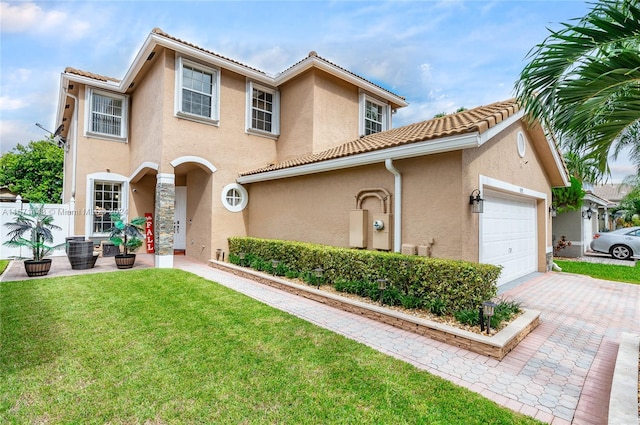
27 17
9 104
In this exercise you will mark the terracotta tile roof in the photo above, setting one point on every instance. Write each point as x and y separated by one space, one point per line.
69 70
313 54
158 31
613 192
479 120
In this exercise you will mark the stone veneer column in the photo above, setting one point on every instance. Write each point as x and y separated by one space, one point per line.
164 219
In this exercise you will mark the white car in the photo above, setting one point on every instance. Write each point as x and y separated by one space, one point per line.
622 244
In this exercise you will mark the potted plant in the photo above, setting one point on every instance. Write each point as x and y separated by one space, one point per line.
129 235
32 229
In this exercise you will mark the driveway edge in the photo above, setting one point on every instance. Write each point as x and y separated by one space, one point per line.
623 402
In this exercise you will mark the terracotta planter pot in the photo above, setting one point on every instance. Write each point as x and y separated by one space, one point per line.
125 261
37 268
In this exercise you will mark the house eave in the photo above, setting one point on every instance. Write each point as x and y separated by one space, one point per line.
428 147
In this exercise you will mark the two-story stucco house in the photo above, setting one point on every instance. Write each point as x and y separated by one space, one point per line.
213 148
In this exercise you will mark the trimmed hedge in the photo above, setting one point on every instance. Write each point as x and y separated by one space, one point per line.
453 284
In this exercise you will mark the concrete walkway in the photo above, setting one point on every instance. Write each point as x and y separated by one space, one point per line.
561 373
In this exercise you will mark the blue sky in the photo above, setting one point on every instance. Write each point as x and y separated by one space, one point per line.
440 55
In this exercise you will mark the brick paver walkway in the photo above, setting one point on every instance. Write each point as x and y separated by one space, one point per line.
561 373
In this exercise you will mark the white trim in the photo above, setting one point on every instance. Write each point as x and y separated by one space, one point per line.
499 127
164 261
165 178
244 197
214 118
428 147
201 162
138 173
521 144
107 177
363 98
275 114
89 93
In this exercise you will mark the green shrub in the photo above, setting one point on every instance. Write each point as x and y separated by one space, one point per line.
416 280
468 317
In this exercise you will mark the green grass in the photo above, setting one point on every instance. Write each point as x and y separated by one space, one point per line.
602 271
3 265
166 346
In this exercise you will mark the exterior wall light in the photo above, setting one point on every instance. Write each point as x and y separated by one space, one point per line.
553 211
476 202
587 213
488 308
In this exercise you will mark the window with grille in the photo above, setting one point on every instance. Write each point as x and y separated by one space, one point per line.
197 91
262 110
374 115
106 199
106 115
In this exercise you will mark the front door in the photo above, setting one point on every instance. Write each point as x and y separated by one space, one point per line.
180 219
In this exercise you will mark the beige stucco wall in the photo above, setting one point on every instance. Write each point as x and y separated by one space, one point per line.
311 105
499 159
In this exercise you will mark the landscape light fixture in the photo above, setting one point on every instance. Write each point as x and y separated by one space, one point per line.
274 265
241 257
319 273
476 202
488 308
382 285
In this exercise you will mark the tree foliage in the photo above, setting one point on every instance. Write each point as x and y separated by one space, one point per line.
568 198
34 171
583 81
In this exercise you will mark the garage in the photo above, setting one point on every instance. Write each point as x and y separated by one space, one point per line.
508 229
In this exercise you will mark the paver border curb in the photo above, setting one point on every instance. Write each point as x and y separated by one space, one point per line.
496 346
623 401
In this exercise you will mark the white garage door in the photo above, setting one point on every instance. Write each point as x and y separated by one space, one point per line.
508 234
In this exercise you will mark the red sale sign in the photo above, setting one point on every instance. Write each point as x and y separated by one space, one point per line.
148 233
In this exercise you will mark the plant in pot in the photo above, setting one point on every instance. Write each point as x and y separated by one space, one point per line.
129 235
32 229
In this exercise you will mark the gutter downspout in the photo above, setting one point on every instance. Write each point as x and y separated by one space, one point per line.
74 151
397 208
75 145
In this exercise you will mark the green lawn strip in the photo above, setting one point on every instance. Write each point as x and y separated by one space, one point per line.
166 346
602 271
3 265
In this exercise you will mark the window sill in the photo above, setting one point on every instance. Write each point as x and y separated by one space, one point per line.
197 118
261 133
106 137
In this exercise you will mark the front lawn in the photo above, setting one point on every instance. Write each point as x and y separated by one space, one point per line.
602 271
165 346
3 265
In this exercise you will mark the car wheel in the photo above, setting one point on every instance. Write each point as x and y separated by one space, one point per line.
620 252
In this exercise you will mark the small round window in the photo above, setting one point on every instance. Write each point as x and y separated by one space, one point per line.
234 197
521 144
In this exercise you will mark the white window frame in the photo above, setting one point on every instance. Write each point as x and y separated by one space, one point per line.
386 112
90 92
214 118
275 114
90 203
243 197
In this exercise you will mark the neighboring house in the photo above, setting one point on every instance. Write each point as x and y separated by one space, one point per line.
613 193
573 230
7 195
180 134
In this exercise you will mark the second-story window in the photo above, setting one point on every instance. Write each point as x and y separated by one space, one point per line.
374 115
262 110
106 115
197 91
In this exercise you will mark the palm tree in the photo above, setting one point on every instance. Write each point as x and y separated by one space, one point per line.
583 81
